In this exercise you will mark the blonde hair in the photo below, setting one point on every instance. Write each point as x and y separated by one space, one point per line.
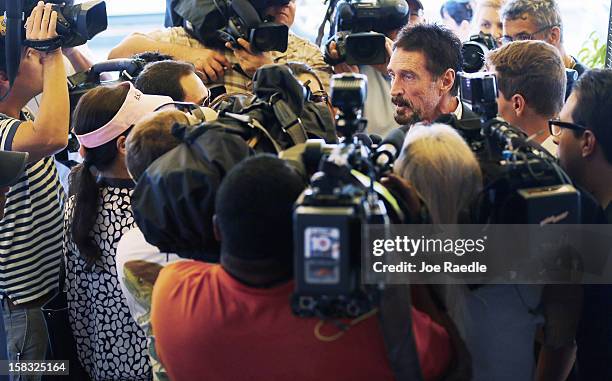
490 3
442 168
480 5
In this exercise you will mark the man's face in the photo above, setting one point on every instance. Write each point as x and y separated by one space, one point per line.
194 89
569 148
29 80
283 14
414 92
524 28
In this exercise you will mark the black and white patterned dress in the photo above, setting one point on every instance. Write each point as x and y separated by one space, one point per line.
111 346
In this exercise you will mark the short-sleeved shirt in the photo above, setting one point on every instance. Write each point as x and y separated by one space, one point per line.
209 326
298 50
32 229
138 265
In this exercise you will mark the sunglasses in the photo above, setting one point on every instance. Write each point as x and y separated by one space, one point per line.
555 126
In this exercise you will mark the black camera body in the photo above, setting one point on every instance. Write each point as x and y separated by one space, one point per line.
523 183
359 26
76 24
474 51
330 215
348 94
216 22
328 221
245 22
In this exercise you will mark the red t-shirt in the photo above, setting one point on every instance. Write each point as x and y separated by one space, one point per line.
209 326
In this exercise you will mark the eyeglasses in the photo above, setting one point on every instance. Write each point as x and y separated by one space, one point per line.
524 36
555 126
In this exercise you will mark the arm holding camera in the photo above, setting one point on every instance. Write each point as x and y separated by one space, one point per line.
208 61
48 134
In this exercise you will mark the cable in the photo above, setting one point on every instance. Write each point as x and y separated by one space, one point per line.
343 327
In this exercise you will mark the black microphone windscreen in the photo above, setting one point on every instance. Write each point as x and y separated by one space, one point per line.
376 139
364 138
395 138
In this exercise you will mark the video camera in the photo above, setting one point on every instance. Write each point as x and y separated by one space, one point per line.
329 216
215 22
523 183
358 29
474 51
76 24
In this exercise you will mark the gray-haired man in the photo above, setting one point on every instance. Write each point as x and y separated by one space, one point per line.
537 20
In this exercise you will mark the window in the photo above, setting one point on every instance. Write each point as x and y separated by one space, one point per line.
125 17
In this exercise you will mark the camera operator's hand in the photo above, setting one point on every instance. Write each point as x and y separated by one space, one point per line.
249 60
343 67
210 62
382 68
41 24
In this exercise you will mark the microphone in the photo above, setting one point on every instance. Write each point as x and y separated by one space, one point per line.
390 147
364 139
376 139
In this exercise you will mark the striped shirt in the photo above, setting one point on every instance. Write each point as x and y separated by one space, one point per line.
31 232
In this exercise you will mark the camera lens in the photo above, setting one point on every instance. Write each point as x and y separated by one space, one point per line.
473 57
365 49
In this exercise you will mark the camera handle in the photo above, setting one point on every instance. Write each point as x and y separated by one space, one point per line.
45 46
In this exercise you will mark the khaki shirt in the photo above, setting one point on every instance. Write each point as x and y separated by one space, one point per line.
298 50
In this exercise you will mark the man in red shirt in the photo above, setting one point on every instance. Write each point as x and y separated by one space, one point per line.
233 321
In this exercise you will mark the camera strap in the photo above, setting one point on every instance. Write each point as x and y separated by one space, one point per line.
254 124
48 45
289 122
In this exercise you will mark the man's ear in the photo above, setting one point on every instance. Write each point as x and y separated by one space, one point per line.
519 105
216 229
121 145
447 81
588 143
554 37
